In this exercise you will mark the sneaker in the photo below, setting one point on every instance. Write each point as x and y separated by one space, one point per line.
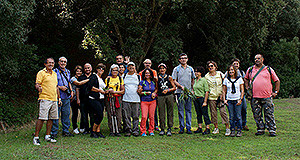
207 131
151 134
245 128
36 141
94 135
181 131
144 135
156 128
259 133
199 130
128 134
227 133
67 134
99 134
189 131
162 132
169 133
50 138
76 131
232 133
216 130
118 134
239 133
81 130
272 134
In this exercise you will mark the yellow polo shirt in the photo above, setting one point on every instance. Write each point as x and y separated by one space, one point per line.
49 83
114 83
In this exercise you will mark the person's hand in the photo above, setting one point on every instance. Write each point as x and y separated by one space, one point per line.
225 102
239 102
204 104
182 87
165 91
78 101
153 95
72 95
127 59
274 94
59 103
39 88
63 88
111 91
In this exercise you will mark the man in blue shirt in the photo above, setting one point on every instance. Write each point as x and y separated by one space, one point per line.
66 93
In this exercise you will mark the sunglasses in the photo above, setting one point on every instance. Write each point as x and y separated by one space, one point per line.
114 70
63 61
100 68
210 66
183 58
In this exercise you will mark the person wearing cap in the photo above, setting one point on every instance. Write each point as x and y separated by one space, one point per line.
131 101
165 99
183 76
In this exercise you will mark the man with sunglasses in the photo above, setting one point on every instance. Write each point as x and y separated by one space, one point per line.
183 76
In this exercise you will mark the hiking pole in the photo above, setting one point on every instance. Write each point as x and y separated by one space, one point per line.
115 116
111 111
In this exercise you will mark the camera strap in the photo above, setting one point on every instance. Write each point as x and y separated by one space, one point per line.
62 73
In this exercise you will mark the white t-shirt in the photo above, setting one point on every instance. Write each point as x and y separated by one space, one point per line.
131 83
237 84
101 86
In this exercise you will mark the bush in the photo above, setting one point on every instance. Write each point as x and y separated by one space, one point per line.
284 58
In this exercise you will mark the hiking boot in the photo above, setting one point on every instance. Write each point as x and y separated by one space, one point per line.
207 131
199 130
216 131
227 133
189 131
93 135
49 138
181 131
99 134
67 134
162 132
232 133
76 131
239 133
259 133
36 141
245 128
128 134
169 133
272 134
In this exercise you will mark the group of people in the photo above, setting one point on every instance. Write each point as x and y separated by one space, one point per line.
125 92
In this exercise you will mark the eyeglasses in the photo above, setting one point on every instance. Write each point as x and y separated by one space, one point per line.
63 61
183 58
211 66
100 68
147 63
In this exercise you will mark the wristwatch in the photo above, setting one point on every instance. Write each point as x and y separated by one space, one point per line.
276 92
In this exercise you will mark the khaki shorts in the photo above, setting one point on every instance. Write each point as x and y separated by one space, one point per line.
48 109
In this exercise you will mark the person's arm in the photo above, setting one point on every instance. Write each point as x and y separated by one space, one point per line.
277 87
94 89
153 95
242 95
224 94
122 90
140 90
205 99
192 83
38 87
170 89
77 96
58 97
79 83
178 85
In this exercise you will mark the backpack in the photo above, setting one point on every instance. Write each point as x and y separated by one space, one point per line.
268 67
108 79
177 69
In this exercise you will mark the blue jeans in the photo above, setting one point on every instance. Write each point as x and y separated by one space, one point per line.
234 114
64 110
244 112
187 105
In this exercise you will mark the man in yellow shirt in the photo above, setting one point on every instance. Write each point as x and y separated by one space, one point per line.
46 84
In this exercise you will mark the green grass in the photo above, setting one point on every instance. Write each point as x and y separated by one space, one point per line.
18 145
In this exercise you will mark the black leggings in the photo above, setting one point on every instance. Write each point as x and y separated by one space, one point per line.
75 108
96 108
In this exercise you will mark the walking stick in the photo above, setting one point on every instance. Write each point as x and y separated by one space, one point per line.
113 114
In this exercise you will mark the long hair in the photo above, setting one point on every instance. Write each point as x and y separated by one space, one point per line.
235 71
151 74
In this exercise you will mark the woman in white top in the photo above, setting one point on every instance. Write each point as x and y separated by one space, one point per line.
96 100
233 93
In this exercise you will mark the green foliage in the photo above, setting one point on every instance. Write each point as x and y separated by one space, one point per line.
284 58
16 111
187 94
17 59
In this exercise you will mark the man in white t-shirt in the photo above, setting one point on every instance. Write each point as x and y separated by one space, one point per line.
131 101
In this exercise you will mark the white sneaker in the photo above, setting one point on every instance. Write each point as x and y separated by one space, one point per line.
50 139
216 130
76 131
227 133
81 130
36 141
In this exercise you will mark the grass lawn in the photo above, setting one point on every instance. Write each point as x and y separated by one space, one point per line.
18 144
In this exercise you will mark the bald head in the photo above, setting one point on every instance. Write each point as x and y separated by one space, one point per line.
88 68
147 63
